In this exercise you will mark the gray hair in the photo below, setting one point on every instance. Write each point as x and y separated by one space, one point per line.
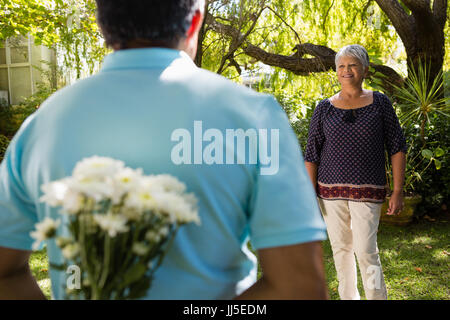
353 50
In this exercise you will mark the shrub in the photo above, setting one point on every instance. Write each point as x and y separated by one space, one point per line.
424 105
11 118
4 142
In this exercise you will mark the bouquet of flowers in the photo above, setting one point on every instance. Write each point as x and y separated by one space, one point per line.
119 225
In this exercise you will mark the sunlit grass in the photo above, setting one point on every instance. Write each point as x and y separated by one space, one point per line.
415 261
39 268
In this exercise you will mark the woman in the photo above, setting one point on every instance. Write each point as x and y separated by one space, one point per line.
345 159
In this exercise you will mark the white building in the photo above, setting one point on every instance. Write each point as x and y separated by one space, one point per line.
21 63
252 77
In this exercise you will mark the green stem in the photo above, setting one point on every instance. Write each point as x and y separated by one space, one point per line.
83 253
106 261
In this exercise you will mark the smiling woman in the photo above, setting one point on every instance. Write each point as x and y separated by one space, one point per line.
345 157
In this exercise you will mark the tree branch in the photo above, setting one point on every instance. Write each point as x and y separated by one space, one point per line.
326 15
324 57
287 24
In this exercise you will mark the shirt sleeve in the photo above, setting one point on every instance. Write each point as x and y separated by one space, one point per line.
17 210
283 206
393 135
315 136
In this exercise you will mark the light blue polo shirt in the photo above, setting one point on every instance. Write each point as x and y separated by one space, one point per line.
136 109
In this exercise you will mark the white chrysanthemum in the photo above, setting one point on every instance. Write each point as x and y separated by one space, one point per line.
63 241
164 231
140 199
112 223
139 248
165 183
73 202
97 189
177 207
54 192
86 282
70 251
97 167
125 180
132 214
152 236
44 230
60 193
191 199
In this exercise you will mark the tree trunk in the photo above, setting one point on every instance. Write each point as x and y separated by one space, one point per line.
421 30
201 36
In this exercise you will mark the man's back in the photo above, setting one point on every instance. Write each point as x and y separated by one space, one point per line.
153 109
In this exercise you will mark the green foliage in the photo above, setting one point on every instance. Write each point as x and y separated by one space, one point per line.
299 114
4 142
22 17
67 26
12 117
414 261
7 127
285 23
422 110
434 186
417 166
45 88
420 97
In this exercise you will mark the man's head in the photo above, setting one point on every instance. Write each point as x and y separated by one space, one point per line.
149 23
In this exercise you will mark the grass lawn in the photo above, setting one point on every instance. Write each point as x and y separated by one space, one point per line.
415 261
39 268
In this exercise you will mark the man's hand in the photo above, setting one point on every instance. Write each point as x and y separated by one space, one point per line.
291 273
395 204
16 280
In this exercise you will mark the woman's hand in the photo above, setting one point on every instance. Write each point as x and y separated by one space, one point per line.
395 203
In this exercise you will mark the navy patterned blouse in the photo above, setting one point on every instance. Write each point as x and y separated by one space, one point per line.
349 148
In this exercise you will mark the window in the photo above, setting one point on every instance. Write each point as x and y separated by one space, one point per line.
16 80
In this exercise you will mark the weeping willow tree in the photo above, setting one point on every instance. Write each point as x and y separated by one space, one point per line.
299 39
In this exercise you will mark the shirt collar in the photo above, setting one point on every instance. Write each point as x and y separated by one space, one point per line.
144 58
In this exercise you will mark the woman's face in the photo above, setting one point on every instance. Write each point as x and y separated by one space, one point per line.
350 71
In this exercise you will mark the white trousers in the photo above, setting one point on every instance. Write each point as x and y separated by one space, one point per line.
352 229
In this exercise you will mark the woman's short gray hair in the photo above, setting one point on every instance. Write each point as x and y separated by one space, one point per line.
353 50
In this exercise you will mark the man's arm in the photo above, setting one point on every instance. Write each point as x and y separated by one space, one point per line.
16 280
290 273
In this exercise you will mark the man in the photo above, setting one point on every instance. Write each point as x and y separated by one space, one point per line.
142 108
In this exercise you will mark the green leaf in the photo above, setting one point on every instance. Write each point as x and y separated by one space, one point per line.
437 164
428 154
418 176
134 273
438 152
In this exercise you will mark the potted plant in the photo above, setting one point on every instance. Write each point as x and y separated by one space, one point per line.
417 101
